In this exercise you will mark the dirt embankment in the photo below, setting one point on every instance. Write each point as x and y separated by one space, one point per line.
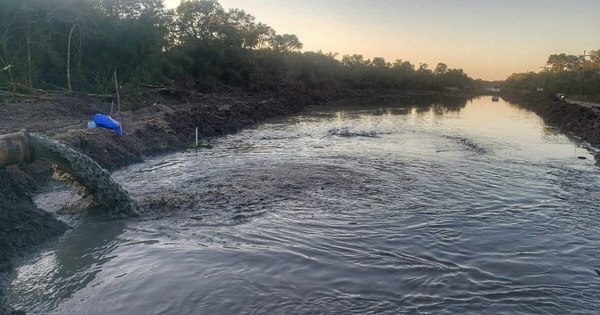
572 119
151 127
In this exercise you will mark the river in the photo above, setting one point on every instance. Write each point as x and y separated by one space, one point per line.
387 205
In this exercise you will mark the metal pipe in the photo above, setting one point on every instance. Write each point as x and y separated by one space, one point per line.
15 148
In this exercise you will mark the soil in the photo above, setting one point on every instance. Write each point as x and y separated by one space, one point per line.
22 226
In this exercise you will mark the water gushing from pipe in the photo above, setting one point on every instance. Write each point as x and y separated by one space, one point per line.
99 191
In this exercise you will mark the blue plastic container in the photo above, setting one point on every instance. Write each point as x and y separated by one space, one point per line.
107 122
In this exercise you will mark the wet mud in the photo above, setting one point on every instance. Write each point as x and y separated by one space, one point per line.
22 226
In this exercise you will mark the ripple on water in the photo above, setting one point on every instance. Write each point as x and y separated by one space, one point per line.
376 208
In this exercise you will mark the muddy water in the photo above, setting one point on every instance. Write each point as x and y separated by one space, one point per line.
93 182
379 206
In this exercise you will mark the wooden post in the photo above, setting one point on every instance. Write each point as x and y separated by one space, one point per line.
69 58
28 38
119 101
117 90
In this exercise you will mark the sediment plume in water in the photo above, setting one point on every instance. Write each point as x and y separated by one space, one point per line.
99 191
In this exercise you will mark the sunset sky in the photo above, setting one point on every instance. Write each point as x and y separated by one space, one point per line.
489 39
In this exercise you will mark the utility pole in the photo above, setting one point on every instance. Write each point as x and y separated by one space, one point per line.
583 71
545 67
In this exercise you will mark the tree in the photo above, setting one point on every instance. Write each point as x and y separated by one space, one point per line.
259 36
379 62
78 45
198 20
354 60
285 43
403 66
440 68
423 68
594 60
563 62
131 9
564 76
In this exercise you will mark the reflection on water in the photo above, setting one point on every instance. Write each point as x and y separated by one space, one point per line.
371 206
69 266
398 106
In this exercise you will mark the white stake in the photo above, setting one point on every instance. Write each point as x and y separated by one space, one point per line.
196 137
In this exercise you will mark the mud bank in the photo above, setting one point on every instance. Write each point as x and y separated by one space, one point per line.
153 126
577 121
22 226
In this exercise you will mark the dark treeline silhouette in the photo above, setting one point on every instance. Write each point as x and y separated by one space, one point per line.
77 45
577 76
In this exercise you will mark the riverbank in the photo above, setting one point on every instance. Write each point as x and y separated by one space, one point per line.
164 124
577 121
22 226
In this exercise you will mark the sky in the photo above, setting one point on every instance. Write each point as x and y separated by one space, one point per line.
488 39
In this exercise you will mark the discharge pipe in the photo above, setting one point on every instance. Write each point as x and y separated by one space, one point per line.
16 148
93 182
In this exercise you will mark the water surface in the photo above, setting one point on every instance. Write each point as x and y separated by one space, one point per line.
371 206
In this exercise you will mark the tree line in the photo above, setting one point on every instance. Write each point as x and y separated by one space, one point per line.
78 45
577 76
